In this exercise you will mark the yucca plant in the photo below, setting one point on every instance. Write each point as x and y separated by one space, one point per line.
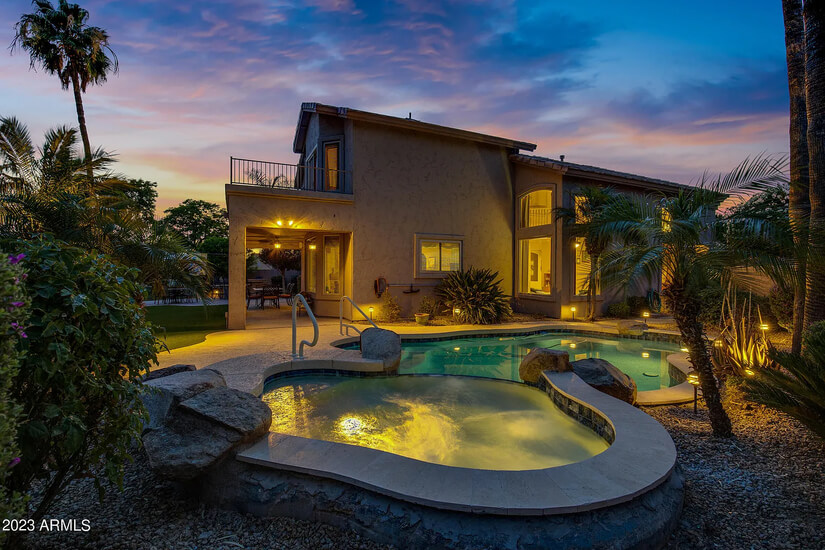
474 296
797 387
742 345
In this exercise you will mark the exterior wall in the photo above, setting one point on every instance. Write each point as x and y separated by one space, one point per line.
407 183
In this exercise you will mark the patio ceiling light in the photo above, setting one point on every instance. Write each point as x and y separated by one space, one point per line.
277 245
312 246
290 222
279 223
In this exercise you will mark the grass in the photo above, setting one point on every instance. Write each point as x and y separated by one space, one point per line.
187 325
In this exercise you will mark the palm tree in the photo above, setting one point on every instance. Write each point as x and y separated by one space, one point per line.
799 207
673 236
45 190
60 41
583 221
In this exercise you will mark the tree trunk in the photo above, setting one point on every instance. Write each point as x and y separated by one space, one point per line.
685 313
799 207
591 288
814 12
84 134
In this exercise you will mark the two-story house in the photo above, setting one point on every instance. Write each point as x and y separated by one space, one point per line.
376 197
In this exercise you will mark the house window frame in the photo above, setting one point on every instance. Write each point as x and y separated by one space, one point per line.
521 222
520 264
339 174
311 169
549 230
575 294
419 273
323 289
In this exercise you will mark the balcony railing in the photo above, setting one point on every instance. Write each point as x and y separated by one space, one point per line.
286 176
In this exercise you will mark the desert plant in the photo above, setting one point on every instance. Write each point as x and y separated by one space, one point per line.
390 310
477 296
742 345
431 306
13 316
797 387
88 343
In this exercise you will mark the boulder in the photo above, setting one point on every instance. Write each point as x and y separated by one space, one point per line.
379 343
240 411
629 327
164 393
167 371
204 429
606 378
540 360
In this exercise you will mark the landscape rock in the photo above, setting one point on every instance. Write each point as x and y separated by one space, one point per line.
606 378
204 429
168 371
164 393
379 343
629 327
240 411
540 360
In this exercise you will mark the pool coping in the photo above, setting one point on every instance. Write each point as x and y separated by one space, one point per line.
680 393
641 457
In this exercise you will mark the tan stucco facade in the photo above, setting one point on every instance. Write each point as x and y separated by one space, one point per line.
404 185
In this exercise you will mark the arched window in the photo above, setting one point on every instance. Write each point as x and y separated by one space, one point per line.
536 208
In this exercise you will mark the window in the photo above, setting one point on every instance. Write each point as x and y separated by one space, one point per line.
332 265
437 256
580 208
331 166
310 274
583 265
537 208
536 264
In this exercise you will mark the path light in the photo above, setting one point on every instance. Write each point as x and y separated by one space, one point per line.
456 311
371 308
764 326
693 379
456 348
573 311
279 223
572 345
645 354
645 314
290 222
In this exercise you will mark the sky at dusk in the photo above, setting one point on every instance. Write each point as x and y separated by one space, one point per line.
663 89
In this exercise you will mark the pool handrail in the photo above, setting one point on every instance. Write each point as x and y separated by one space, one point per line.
342 326
300 354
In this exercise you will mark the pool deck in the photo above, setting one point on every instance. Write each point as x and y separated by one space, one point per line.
247 357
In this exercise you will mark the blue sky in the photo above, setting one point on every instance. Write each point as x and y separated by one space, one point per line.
664 89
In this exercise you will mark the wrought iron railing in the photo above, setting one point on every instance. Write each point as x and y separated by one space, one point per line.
286 176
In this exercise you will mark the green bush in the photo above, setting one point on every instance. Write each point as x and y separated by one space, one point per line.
798 386
780 301
13 316
476 294
637 305
619 310
431 305
88 342
390 311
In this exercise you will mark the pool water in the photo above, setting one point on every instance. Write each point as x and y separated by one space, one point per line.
499 357
455 421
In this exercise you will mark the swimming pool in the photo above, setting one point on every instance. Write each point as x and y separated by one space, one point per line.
449 420
500 356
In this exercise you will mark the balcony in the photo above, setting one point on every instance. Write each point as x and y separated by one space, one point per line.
276 175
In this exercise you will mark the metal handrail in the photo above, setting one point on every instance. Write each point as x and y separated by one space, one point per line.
342 326
278 175
300 354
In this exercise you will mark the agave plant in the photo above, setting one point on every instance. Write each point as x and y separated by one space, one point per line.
474 296
742 346
797 387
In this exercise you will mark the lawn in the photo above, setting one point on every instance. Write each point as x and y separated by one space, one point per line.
187 325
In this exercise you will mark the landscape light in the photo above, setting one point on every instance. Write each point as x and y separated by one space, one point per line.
279 223
645 354
645 314
749 372
456 311
764 326
578 245
290 222
456 349
684 350
693 379
717 343
572 345
371 308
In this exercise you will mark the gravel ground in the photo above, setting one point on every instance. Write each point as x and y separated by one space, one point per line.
761 489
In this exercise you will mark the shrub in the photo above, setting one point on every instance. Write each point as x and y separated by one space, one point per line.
477 295
432 306
619 310
637 305
780 301
13 314
741 346
710 300
88 342
390 311
798 387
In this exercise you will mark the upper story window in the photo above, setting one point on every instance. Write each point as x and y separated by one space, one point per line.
537 208
331 166
437 256
310 171
580 208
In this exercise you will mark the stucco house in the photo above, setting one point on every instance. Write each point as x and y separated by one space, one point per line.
380 197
